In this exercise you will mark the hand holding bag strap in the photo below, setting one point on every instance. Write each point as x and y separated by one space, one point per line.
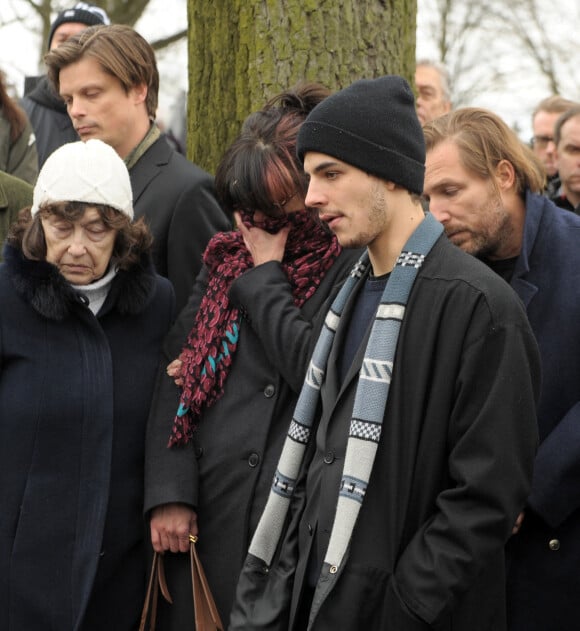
156 578
207 617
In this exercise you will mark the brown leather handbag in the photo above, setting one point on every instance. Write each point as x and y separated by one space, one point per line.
207 617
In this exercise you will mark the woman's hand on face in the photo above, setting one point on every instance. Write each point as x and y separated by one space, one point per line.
171 525
262 245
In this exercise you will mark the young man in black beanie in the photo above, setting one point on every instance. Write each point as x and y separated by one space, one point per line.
410 453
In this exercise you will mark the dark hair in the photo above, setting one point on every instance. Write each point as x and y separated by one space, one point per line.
260 169
133 238
120 51
11 111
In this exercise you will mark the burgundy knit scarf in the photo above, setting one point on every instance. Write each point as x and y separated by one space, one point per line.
208 354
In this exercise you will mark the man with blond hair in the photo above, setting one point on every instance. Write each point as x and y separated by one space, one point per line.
485 187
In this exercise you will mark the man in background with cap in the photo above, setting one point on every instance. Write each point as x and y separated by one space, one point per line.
46 110
410 453
108 78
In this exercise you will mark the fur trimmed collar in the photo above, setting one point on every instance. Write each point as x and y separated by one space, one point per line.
49 293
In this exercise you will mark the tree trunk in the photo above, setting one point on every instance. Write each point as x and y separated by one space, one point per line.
242 52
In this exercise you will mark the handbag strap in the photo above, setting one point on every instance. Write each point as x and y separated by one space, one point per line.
207 617
156 578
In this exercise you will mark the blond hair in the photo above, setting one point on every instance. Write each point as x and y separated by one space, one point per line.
484 140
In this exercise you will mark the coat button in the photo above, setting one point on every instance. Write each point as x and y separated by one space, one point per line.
198 452
329 457
269 391
554 544
253 460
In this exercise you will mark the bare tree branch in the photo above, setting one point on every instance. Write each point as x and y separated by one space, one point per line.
484 45
167 41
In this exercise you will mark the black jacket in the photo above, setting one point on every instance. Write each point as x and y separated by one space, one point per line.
48 116
74 398
226 471
451 473
177 199
543 576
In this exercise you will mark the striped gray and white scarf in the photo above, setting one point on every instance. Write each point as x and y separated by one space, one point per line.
369 406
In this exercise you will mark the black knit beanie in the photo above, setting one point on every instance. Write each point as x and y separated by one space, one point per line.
82 12
372 125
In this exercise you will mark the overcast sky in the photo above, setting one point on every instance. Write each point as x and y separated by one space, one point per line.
516 100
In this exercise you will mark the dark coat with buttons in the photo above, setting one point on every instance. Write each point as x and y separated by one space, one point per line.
226 472
544 574
74 398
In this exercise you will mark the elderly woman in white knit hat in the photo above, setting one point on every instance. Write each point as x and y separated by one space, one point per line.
82 319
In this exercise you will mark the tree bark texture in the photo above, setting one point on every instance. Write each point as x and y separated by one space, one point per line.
243 52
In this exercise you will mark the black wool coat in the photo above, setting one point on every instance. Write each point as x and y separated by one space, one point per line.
226 471
452 471
74 398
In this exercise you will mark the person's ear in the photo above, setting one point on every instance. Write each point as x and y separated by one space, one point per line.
505 175
139 93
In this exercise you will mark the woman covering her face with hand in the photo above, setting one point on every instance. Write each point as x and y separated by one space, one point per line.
82 319
243 346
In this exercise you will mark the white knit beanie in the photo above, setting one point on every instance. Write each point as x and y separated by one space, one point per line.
90 172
